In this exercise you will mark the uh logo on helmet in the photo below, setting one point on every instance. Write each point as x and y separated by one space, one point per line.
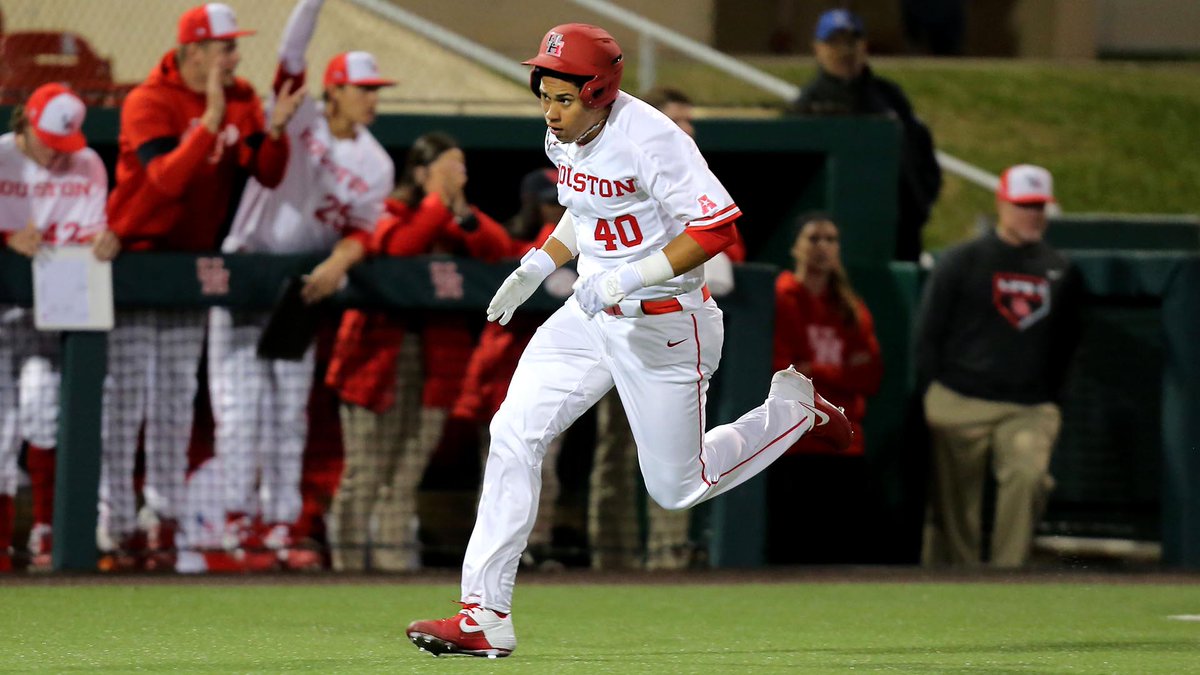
583 51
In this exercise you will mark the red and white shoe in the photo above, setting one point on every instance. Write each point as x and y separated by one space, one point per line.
831 431
474 631
41 546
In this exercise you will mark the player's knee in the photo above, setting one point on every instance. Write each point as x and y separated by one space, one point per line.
513 440
670 497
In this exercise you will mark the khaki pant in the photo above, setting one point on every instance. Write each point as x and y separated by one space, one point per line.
613 519
386 457
967 433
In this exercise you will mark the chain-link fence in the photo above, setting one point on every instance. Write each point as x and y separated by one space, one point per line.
104 47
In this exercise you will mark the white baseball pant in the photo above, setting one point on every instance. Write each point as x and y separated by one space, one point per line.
10 438
29 382
260 412
661 366
153 357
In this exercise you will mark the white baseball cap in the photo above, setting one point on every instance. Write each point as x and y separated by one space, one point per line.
56 115
211 21
354 68
1026 184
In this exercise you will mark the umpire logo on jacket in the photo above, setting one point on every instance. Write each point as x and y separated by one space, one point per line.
1021 299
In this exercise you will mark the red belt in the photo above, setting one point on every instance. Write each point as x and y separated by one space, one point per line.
655 307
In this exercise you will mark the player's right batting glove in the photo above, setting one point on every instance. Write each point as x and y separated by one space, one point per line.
516 289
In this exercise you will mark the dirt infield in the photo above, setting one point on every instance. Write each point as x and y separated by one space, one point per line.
772 575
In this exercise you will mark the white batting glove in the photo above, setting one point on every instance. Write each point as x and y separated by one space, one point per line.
599 291
516 289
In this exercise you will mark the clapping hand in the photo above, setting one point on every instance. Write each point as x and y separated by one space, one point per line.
287 102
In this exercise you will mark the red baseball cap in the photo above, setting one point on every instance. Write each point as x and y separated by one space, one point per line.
1026 184
211 21
354 68
56 115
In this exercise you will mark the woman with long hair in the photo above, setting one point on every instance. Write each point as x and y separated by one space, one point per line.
824 328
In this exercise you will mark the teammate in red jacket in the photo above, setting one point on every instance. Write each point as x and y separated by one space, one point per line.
823 327
185 132
397 386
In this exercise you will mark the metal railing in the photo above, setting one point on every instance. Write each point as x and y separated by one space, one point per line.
650 34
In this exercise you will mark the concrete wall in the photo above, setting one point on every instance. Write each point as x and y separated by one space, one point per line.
136 33
515 27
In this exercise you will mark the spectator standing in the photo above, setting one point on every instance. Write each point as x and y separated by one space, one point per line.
846 85
997 327
823 327
185 132
54 192
398 378
329 200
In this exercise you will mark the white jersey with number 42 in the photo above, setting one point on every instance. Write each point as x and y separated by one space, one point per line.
67 205
332 187
639 184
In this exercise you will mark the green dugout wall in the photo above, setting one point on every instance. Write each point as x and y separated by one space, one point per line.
775 169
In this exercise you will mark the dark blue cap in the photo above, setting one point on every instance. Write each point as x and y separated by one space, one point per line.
835 20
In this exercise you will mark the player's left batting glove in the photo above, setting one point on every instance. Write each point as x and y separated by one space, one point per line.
516 289
599 291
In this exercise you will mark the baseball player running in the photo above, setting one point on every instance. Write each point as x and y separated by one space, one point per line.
52 192
644 212
331 195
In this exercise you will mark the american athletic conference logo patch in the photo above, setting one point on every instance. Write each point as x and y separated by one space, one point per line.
554 44
1021 299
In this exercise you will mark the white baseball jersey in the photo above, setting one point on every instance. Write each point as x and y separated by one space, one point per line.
634 188
67 205
332 186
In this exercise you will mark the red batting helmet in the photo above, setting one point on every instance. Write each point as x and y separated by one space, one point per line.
585 51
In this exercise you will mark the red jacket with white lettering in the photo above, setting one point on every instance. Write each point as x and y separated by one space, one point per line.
841 357
174 177
363 367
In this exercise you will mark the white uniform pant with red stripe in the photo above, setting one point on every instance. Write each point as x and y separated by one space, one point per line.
260 411
661 367
153 358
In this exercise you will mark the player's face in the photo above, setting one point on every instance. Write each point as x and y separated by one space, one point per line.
1021 224
566 115
223 53
42 154
681 115
818 247
357 103
843 55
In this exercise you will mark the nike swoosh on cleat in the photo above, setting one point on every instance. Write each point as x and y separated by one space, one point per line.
469 628
822 418
676 343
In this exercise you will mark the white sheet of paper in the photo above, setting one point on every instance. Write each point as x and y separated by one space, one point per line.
71 290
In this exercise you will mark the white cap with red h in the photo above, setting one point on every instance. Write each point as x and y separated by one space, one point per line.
56 115
354 68
211 21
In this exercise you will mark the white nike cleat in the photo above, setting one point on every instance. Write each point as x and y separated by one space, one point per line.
831 431
474 631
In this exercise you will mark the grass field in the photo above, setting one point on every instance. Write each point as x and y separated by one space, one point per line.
1031 626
